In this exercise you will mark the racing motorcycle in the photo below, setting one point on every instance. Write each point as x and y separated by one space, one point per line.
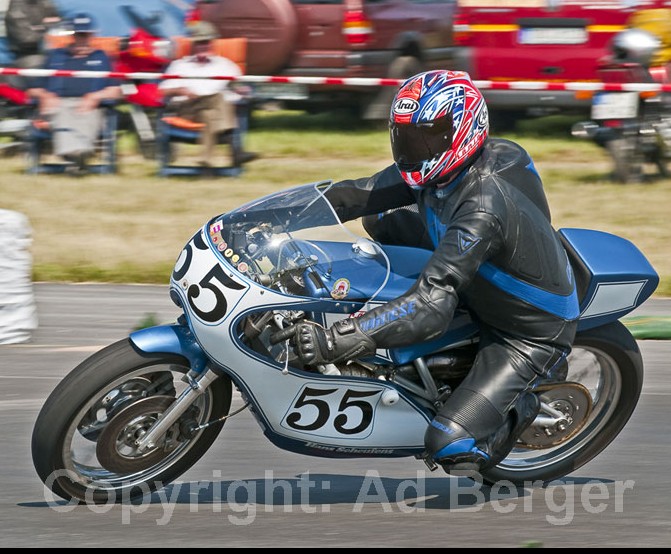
140 412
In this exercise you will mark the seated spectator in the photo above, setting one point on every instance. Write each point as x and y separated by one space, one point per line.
210 102
70 106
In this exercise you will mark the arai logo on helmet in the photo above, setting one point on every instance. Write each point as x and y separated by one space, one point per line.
405 106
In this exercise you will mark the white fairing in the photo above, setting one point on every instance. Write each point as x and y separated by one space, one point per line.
329 413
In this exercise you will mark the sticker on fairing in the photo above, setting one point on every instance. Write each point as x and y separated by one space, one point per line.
340 289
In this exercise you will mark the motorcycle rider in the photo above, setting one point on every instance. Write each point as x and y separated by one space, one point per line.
496 254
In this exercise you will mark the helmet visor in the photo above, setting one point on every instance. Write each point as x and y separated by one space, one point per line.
414 143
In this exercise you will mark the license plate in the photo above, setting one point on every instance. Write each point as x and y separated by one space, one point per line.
281 91
615 105
551 35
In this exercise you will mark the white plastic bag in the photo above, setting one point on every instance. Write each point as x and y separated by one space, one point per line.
18 311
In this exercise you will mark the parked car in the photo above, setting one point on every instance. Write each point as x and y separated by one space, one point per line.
539 40
341 39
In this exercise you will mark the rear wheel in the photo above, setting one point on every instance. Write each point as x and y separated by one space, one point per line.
84 439
605 376
270 26
662 166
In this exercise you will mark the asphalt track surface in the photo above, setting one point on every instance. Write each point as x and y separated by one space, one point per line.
247 493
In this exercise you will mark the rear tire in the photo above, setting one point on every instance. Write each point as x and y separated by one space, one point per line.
378 108
607 361
505 121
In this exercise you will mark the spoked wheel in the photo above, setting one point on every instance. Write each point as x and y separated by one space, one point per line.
581 416
85 439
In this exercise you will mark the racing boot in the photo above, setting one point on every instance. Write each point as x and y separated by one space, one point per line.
458 452
451 446
500 444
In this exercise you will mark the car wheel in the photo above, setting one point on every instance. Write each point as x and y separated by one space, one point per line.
378 107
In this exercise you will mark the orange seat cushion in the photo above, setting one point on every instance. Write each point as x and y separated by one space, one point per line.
183 123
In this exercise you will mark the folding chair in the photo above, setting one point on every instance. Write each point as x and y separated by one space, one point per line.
171 130
14 119
39 141
39 135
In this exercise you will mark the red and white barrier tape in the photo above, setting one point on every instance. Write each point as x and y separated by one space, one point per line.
482 85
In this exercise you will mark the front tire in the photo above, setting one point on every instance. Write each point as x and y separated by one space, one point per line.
607 362
110 399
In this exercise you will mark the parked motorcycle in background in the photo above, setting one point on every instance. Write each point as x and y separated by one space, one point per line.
634 127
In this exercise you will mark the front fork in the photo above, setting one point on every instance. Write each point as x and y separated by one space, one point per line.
197 386
174 339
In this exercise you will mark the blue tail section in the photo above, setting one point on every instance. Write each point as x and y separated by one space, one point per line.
612 274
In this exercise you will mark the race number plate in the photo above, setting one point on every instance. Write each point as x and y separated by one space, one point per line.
615 105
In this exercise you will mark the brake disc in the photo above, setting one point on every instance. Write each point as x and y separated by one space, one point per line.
116 448
570 405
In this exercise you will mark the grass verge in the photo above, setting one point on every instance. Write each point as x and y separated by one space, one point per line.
130 227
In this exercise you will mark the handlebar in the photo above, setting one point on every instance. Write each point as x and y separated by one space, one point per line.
283 335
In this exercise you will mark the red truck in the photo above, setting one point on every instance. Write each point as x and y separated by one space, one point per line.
341 39
494 40
554 41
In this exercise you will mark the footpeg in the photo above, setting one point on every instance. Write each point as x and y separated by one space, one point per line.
433 466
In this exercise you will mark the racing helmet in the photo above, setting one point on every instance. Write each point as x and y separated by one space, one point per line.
635 46
438 124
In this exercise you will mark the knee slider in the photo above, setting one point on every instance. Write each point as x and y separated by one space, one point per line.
448 442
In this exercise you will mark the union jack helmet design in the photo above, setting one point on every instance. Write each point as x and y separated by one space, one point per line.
438 122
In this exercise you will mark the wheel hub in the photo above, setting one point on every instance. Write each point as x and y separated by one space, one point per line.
566 407
117 449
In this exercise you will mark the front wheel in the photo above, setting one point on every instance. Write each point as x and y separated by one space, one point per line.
605 377
83 442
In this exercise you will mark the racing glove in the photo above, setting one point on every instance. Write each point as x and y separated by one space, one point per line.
344 340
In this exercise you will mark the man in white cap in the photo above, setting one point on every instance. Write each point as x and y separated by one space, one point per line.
209 102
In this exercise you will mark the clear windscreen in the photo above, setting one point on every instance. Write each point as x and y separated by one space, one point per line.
293 241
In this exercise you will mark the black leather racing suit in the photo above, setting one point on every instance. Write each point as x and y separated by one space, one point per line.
497 255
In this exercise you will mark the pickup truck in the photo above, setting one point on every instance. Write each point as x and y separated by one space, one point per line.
542 41
341 39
